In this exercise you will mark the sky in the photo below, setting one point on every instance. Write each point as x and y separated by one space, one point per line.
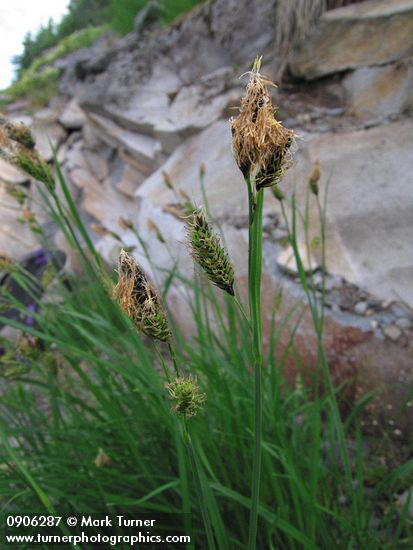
17 17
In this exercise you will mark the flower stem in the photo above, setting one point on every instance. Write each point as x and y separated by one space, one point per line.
196 468
199 488
256 202
242 311
172 353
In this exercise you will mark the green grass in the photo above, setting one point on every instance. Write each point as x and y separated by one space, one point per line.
39 87
79 39
123 12
97 385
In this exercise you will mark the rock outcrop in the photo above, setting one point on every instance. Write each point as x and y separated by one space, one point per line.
368 33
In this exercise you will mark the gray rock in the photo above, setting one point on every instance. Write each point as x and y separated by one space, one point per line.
378 92
369 213
367 33
16 239
400 310
393 332
402 501
72 116
404 323
9 174
333 281
143 148
202 35
360 308
286 260
213 148
129 181
48 135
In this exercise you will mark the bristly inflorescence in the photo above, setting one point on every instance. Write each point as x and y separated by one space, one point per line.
208 253
186 395
262 145
17 147
139 300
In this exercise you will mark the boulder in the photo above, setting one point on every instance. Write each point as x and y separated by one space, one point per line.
367 33
129 180
375 93
16 239
10 174
72 116
286 259
191 111
141 108
141 147
224 184
369 212
48 136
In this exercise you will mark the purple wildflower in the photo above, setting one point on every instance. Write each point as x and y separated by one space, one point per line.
41 257
29 320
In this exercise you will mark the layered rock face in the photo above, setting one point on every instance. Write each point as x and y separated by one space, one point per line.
160 103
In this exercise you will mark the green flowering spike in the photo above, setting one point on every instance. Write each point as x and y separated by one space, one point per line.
208 253
186 395
36 167
278 194
17 148
139 301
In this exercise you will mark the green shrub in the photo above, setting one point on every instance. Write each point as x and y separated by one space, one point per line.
123 12
40 81
76 41
81 14
89 14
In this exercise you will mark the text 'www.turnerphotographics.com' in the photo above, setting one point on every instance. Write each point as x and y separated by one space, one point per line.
110 530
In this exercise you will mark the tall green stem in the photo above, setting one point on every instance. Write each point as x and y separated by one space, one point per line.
256 202
196 468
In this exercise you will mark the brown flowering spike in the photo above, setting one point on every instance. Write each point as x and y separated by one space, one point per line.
17 148
102 459
262 145
315 178
208 252
125 224
153 227
18 132
139 301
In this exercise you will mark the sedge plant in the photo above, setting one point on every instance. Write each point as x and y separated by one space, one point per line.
262 147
